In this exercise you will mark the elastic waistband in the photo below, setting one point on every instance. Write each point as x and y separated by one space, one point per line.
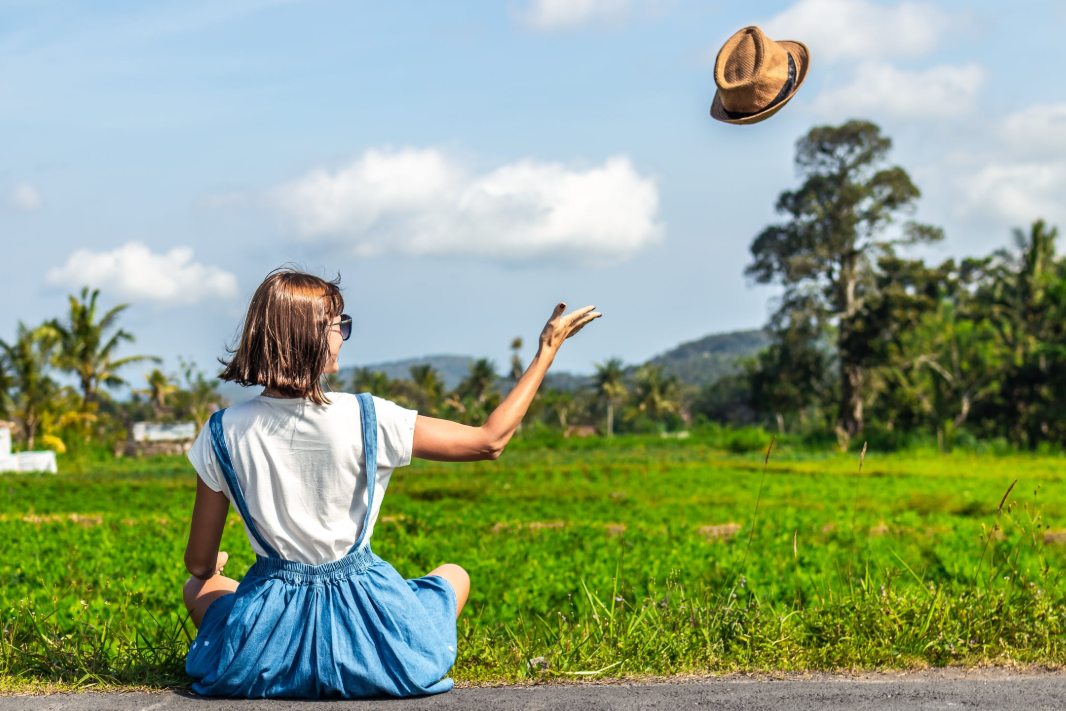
304 574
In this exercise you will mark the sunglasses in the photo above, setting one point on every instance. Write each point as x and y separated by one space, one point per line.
346 326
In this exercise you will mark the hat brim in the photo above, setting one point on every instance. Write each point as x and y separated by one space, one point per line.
801 56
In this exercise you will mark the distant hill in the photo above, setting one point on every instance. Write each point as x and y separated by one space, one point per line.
696 363
453 368
568 382
709 358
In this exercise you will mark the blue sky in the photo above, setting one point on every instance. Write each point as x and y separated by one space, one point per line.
465 165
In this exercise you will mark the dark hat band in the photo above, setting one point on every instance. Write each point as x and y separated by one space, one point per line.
781 95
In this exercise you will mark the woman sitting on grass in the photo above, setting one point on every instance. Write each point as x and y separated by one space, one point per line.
319 614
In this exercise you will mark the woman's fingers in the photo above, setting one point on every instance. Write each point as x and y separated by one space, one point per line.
588 318
586 315
569 324
580 312
575 316
221 560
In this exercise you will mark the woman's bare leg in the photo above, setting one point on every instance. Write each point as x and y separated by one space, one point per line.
199 594
459 580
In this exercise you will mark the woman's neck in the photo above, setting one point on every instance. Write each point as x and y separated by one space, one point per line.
271 392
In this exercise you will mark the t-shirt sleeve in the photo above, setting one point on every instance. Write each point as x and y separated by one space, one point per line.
396 433
203 460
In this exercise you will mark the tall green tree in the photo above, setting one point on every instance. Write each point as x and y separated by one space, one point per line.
160 387
7 383
198 397
365 380
333 382
28 358
609 385
517 369
430 387
825 253
1026 302
655 393
476 395
728 400
479 381
562 407
790 375
965 359
87 345
896 337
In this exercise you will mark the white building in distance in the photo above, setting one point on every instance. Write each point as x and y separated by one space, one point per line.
44 461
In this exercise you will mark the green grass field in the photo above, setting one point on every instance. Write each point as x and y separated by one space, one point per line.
627 557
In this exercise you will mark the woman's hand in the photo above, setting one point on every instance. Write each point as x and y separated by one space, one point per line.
560 327
443 441
202 557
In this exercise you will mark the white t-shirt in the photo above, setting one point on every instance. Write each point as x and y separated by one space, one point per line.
299 466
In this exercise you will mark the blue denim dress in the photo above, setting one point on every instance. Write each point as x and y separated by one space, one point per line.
347 629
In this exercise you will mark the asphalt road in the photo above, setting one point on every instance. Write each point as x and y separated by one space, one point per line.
897 692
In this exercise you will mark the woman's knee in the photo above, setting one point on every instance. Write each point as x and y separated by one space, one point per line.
458 573
459 580
190 590
199 594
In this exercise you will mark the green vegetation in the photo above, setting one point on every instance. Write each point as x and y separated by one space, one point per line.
670 544
865 339
864 345
635 555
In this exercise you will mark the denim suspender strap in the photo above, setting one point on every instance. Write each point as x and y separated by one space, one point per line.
369 418
218 443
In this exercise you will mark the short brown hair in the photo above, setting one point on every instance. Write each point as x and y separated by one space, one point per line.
284 341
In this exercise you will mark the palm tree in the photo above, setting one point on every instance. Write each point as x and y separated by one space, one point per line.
1026 313
160 385
429 384
479 381
365 380
475 396
85 349
27 359
200 397
516 366
333 382
1018 299
610 387
563 406
7 382
516 360
655 393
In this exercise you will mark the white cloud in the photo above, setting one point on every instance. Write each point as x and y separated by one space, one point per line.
859 29
422 202
936 92
564 15
1037 130
23 198
134 272
1017 193
1018 174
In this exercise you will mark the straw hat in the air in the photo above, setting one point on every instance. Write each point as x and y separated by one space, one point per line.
756 76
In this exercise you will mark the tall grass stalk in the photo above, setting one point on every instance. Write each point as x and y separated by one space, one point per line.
855 501
991 532
758 499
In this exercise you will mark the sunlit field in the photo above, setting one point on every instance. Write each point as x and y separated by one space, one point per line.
625 557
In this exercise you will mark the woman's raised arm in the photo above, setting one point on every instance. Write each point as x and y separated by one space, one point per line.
445 441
